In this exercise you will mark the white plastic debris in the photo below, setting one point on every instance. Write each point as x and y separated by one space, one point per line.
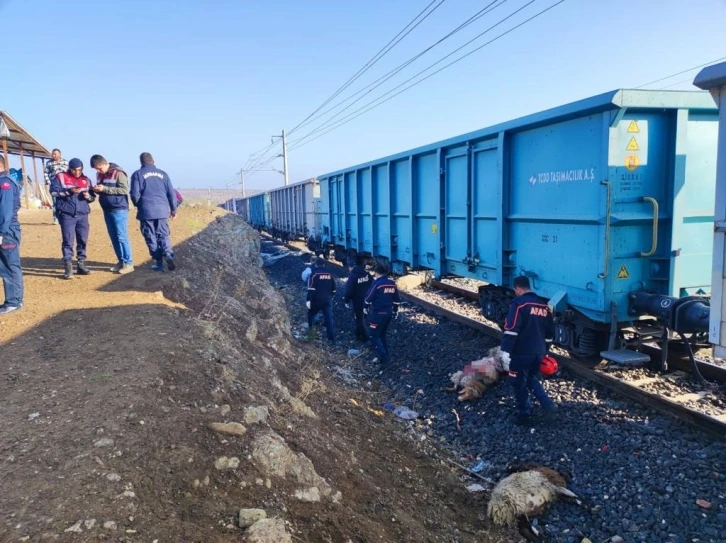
475 488
405 413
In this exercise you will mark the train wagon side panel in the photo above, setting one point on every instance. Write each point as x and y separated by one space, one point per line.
693 203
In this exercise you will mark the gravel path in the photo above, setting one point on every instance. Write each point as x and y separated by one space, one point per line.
641 473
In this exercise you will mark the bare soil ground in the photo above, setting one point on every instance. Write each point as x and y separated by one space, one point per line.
108 385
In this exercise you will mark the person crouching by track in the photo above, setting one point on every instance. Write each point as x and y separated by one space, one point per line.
155 199
72 191
112 187
356 288
321 290
528 333
381 306
10 271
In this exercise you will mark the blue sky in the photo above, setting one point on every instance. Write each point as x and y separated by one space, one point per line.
202 85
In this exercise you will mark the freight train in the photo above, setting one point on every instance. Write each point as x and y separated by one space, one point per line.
606 204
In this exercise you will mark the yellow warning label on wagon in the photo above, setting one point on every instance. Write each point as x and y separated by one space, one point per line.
632 162
434 228
633 145
633 127
623 273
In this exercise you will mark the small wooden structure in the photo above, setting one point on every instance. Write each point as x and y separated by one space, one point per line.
15 140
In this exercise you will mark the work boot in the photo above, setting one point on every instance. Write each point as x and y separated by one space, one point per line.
549 414
158 266
117 267
126 268
68 271
81 268
170 262
523 420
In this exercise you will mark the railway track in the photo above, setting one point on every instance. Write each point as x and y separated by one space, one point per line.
674 406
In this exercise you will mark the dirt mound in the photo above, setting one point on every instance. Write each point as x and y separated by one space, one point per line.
157 406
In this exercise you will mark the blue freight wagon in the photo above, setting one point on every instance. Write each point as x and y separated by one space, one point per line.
606 204
259 211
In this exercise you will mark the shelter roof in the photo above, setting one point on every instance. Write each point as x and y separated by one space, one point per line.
19 137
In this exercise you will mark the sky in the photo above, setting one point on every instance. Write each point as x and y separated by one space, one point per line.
204 85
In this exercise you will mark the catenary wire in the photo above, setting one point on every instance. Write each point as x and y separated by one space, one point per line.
372 104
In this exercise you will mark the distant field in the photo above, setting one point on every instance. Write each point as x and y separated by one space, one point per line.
218 195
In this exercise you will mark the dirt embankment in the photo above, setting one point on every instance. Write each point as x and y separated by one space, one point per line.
111 386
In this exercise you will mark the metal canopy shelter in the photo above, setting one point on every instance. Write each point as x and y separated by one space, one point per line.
16 140
20 142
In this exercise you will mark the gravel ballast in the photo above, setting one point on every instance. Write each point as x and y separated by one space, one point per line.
640 473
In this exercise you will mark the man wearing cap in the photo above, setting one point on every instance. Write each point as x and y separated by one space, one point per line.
72 191
10 270
112 187
155 199
356 288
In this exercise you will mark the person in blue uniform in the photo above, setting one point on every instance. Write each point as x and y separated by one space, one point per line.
528 333
321 290
10 269
155 199
356 288
381 306
72 191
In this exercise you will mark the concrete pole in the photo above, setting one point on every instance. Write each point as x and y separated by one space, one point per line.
284 157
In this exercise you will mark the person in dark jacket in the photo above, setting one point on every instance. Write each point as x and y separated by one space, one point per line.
10 269
528 333
72 191
155 199
381 306
356 288
321 290
112 187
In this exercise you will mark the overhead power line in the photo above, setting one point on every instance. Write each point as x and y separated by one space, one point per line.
681 72
385 77
372 104
378 56
420 17
382 99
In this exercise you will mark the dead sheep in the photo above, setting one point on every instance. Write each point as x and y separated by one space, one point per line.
524 494
477 376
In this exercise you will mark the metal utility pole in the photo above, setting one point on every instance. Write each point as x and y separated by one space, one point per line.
209 197
284 157
242 183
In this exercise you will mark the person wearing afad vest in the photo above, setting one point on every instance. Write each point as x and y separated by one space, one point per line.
72 191
112 187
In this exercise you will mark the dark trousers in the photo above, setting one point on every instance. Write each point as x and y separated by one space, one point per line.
74 229
524 376
158 238
327 310
10 270
360 324
377 328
